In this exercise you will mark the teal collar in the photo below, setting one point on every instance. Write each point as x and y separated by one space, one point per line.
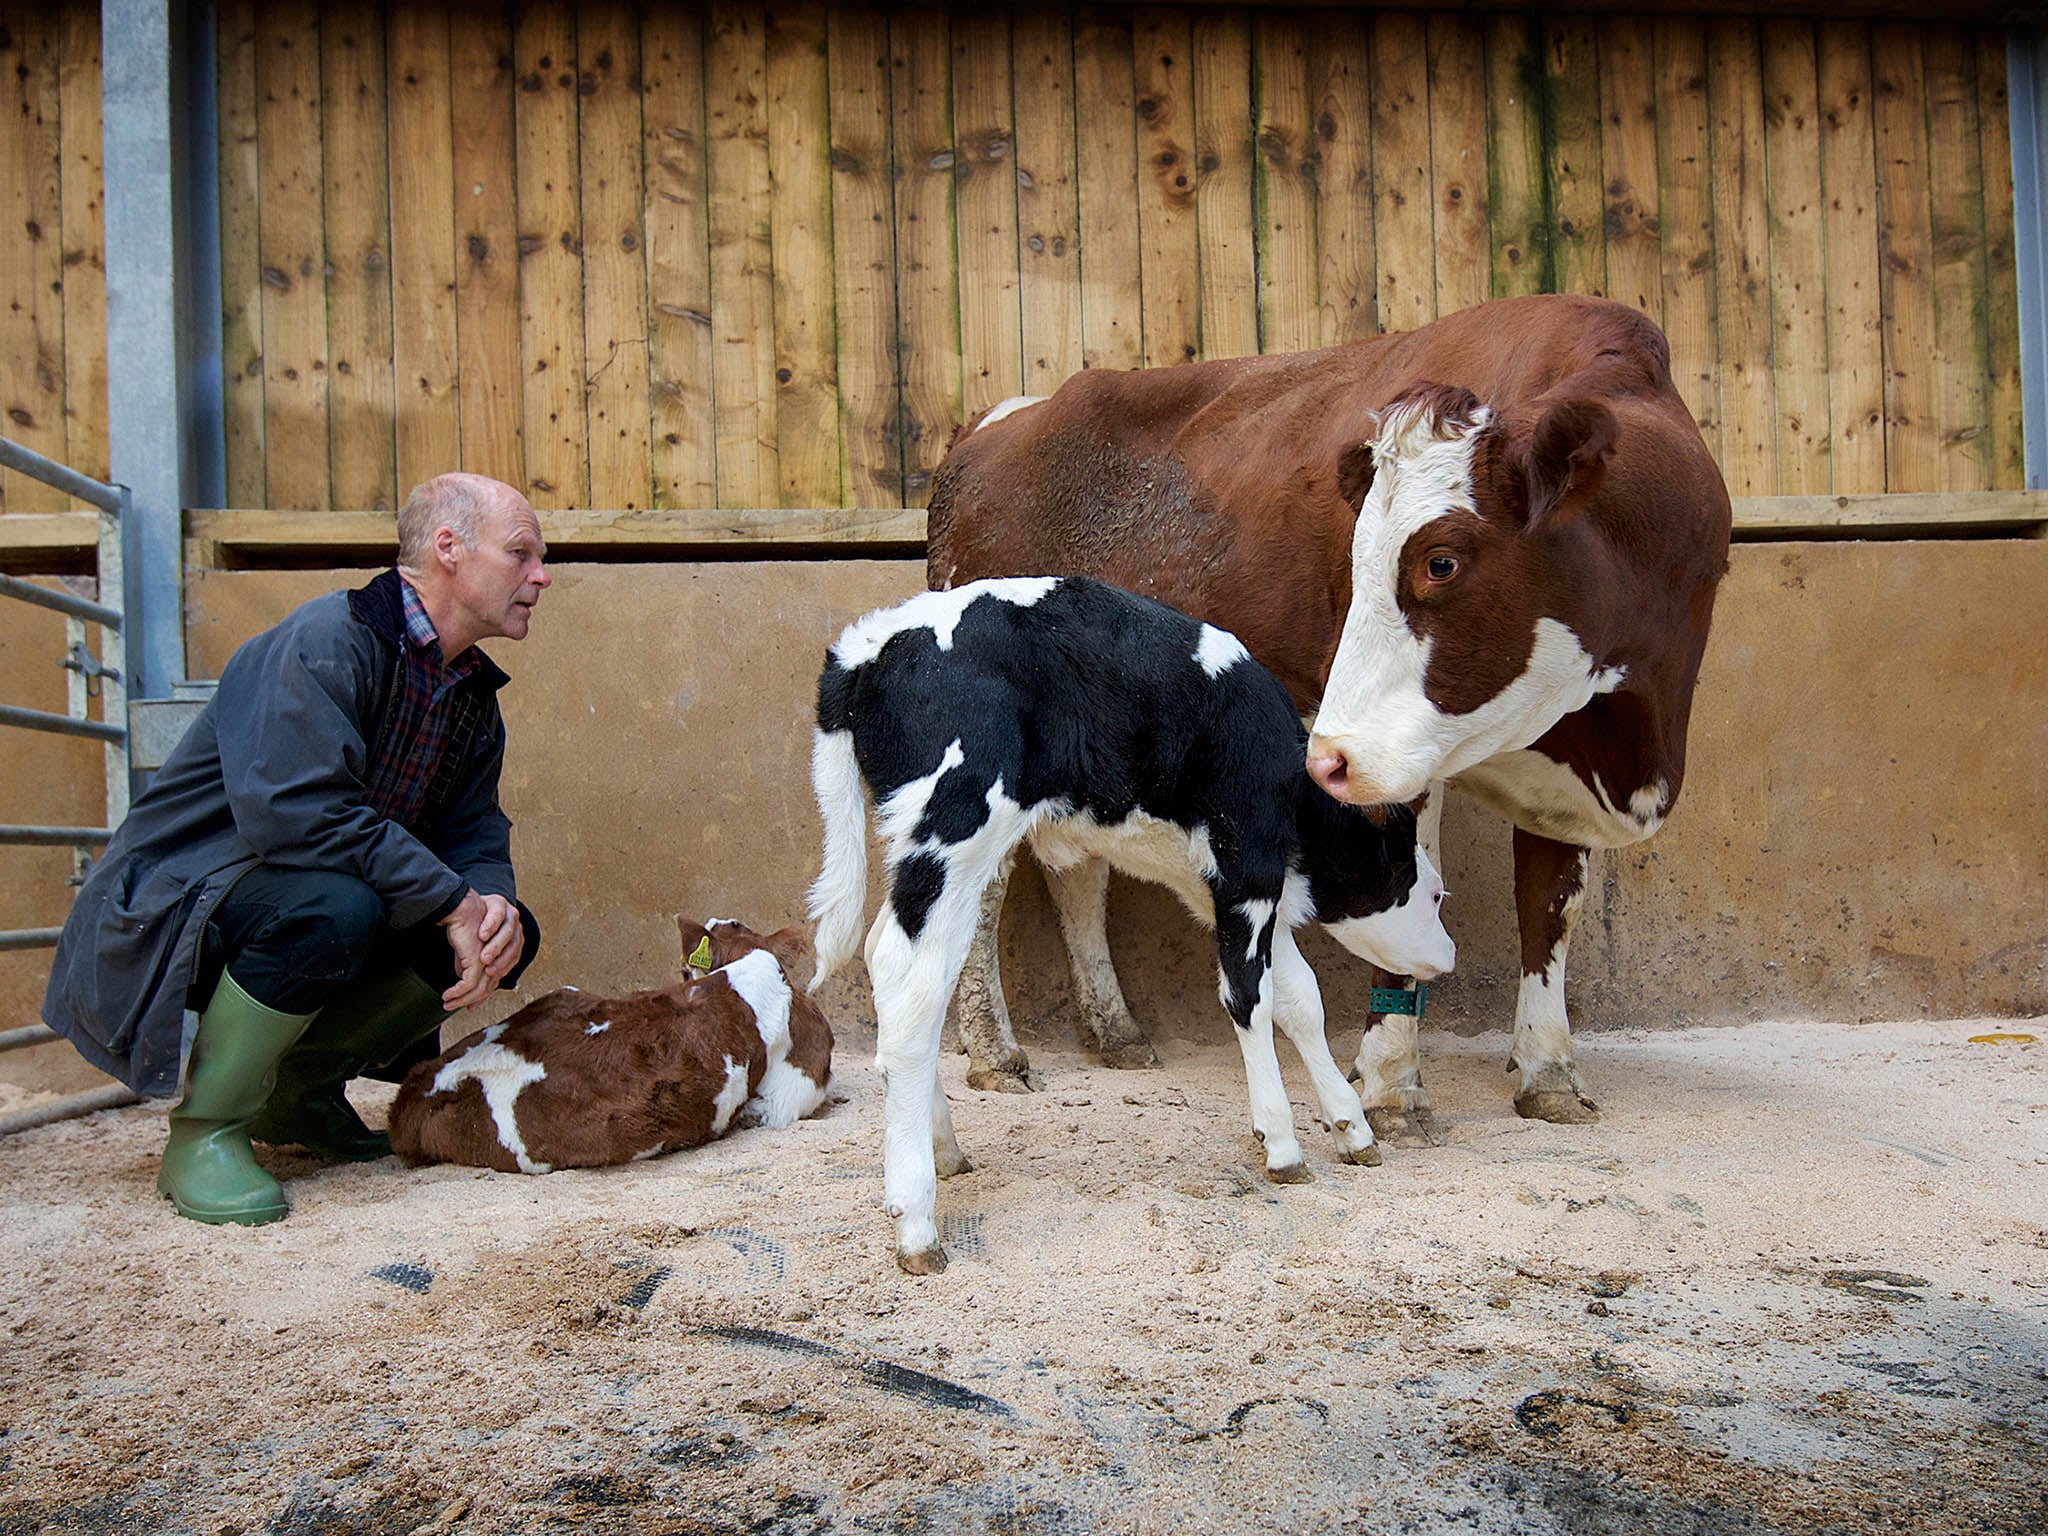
1399 1000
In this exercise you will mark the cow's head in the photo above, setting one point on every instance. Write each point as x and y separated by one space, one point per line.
712 945
1473 579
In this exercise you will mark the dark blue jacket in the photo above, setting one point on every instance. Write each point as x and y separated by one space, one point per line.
273 772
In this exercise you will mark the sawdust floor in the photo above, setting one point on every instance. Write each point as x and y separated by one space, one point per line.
1796 1280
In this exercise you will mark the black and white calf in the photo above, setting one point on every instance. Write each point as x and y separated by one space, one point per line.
1094 723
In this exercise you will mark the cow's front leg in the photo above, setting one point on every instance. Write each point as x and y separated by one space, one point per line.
1550 887
1388 1067
994 1058
1080 897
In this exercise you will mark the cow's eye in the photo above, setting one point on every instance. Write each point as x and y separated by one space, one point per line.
1441 567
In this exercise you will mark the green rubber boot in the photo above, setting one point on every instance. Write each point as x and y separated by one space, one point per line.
370 1022
209 1172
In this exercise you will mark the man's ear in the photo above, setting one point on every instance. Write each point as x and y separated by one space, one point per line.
447 544
1354 474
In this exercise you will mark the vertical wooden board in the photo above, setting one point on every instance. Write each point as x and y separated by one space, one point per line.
1962 340
1404 223
742 270
927 289
1684 175
1799 321
31 279
1571 63
241 260
551 355
1226 254
864 258
357 205
1855 319
1742 298
1112 314
1162 53
2006 455
293 250
985 140
1290 309
1347 271
1628 164
800 171
1906 259
1457 158
609 137
681 410
1048 210
84 236
423 335
1514 190
482 86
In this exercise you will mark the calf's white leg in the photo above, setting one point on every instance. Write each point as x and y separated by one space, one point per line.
1080 897
1298 1009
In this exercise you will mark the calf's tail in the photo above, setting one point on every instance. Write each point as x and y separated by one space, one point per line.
839 893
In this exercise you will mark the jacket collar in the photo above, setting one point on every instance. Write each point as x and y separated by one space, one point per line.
381 606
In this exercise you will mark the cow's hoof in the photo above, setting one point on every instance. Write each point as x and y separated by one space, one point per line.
1362 1157
1008 1078
951 1167
1559 1107
931 1262
1293 1173
1130 1054
1405 1127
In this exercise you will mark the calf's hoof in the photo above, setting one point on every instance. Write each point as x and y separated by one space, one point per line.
1559 1107
1293 1173
951 1165
1399 1127
931 1262
1362 1157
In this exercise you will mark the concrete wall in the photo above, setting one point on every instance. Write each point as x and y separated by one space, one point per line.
1863 831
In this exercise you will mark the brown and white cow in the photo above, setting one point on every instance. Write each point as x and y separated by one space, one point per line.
574 1080
1482 552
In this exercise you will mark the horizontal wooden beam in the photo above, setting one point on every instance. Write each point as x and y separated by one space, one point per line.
63 542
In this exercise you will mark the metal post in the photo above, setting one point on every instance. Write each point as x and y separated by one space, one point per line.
163 322
2026 78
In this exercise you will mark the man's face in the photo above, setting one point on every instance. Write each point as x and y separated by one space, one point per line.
498 582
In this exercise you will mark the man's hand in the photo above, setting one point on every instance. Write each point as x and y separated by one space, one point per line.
487 939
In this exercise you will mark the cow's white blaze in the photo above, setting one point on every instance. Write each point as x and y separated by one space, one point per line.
1375 709
1408 938
1541 795
501 1073
939 612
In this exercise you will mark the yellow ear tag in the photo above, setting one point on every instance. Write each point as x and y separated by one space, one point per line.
700 957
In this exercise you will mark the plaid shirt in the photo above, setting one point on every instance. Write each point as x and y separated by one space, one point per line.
421 721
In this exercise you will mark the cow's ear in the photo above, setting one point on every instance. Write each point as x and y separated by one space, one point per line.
1567 452
1354 474
690 935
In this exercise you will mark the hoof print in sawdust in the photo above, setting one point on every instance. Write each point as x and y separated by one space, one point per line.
416 1278
1876 1284
1241 1416
962 1235
1610 1283
1405 1127
1558 1108
1546 1415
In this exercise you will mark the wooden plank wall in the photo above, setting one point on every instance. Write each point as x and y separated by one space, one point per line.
738 257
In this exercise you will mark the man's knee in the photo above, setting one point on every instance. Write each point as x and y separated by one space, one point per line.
291 936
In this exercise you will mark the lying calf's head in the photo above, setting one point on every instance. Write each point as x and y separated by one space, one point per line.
1374 887
711 945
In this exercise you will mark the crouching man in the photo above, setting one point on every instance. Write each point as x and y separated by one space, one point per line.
321 872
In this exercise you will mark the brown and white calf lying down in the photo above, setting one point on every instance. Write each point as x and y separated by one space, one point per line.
573 1080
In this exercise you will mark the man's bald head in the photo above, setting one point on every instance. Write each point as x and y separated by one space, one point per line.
458 502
